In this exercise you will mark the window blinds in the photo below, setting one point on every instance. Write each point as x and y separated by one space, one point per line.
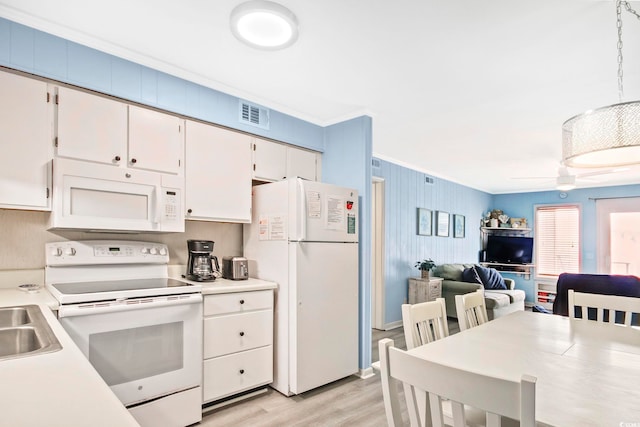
557 240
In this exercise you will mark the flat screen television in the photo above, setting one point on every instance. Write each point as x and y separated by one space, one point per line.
509 249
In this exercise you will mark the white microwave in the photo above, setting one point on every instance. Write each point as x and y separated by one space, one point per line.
95 197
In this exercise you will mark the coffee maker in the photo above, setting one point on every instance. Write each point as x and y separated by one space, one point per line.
201 265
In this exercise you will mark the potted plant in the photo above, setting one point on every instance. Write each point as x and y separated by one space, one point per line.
425 266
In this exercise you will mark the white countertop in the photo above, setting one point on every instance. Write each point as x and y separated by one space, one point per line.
62 388
225 286
55 389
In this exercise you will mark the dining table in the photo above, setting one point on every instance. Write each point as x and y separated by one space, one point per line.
588 373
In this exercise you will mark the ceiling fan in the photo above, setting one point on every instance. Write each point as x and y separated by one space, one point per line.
565 180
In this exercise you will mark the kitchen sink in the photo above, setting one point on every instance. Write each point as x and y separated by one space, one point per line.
24 331
13 316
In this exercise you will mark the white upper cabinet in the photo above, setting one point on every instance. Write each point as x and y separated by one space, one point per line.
156 141
91 127
217 174
98 129
302 163
26 126
274 162
269 160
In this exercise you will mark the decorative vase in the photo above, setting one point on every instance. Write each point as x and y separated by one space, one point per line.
494 222
424 274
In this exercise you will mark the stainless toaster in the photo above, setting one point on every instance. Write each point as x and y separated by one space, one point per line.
235 268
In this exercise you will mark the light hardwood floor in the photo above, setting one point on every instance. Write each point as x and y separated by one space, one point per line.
348 402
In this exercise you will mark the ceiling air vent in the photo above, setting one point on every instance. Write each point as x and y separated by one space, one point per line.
254 115
428 180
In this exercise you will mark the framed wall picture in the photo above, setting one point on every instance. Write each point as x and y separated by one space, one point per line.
458 225
424 222
442 224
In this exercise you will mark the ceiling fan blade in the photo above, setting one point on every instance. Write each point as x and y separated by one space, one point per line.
533 177
601 172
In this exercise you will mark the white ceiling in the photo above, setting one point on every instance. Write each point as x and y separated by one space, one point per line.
474 91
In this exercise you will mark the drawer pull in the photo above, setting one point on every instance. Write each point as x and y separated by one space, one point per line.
241 371
241 301
241 334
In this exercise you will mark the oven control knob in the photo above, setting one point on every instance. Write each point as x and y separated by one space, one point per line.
56 251
70 251
145 250
163 251
153 251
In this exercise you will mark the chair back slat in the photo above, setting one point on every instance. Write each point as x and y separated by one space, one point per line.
607 307
471 309
499 397
424 322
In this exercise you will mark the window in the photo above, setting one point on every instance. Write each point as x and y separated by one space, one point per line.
557 239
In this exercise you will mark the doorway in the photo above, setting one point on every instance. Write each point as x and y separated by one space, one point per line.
618 236
377 253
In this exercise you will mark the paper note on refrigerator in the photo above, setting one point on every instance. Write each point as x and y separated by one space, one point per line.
314 204
277 224
272 227
263 227
335 213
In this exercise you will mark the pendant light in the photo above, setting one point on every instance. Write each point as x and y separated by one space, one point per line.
607 136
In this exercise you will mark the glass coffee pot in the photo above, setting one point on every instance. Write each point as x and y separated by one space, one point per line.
201 265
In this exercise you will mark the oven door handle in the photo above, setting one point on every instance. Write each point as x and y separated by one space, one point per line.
127 305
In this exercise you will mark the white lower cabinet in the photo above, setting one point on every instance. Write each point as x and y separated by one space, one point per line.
227 375
238 343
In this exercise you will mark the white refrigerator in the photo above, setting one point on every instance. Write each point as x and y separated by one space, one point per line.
304 236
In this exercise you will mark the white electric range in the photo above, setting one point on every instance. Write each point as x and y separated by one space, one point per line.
141 330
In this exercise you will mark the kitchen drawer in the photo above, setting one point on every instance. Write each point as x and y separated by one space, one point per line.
231 374
237 302
237 332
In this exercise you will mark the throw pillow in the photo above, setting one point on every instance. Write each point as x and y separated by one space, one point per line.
489 278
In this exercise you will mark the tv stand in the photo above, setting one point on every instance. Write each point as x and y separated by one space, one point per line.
519 269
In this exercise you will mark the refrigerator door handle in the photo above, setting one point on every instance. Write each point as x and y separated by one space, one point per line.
301 226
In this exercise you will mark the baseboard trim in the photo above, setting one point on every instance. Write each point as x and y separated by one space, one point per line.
393 325
365 373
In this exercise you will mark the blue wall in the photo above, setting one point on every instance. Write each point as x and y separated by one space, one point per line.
405 191
347 161
36 52
523 205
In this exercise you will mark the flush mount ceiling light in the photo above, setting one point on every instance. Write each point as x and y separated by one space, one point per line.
264 25
607 136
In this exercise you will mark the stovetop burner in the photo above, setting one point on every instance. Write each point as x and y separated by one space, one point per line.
78 272
117 285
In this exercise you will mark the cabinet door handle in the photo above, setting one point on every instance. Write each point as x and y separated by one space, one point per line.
134 161
189 210
241 334
116 158
241 301
241 371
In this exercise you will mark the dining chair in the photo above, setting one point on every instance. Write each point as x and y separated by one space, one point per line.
499 397
471 309
424 322
605 306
